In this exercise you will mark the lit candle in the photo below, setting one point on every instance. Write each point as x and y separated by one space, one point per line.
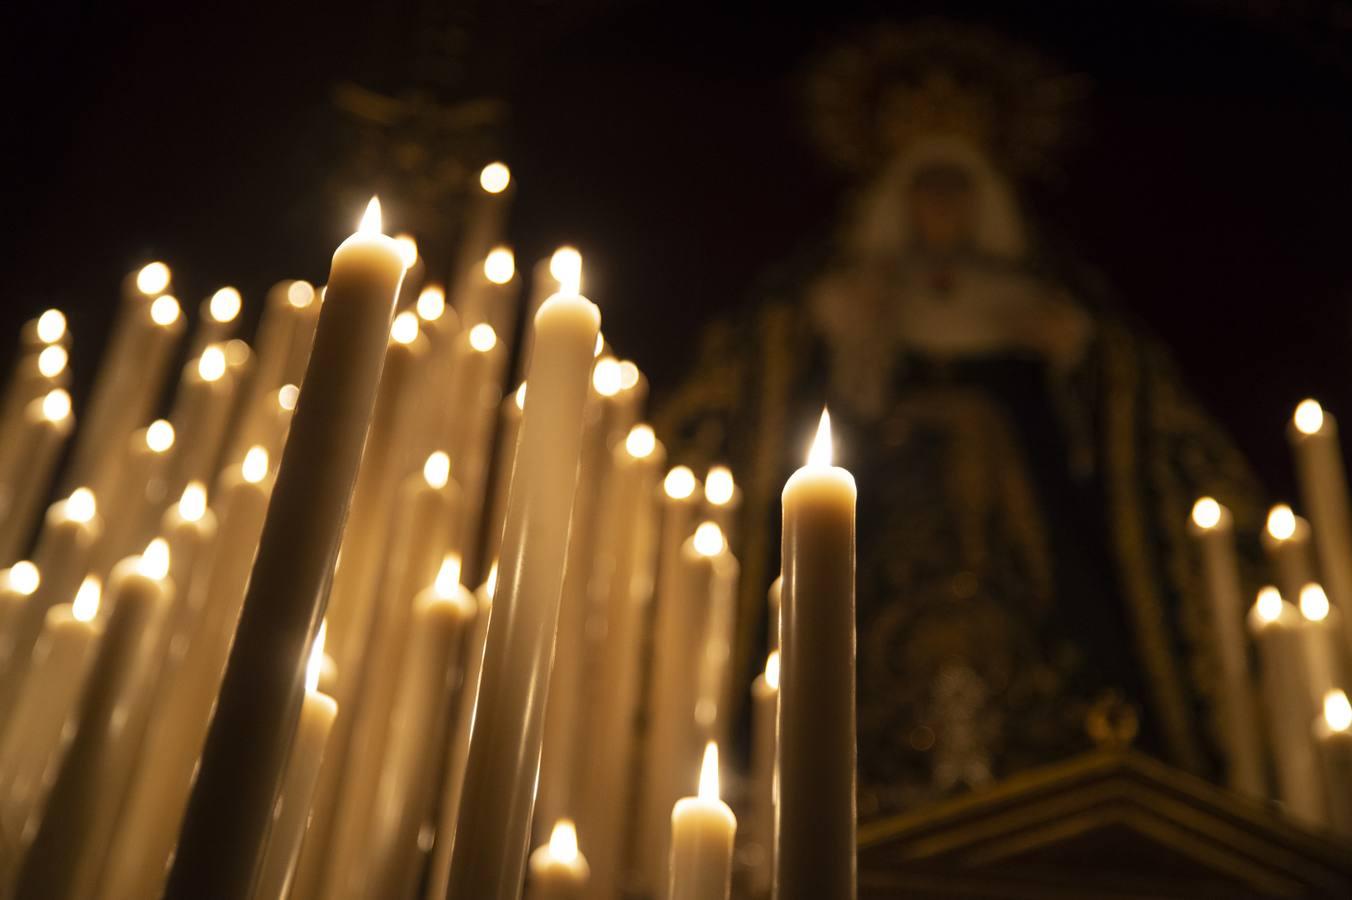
17 584
1333 732
201 413
764 743
1321 642
508 428
561 272
702 833
49 328
1212 528
29 459
485 213
558 870
441 325
217 319
815 817
1323 487
1286 543
479 359
713 706
37 373
133 510
487 292
250 735
722 498
190 529
772 598
292 812
491 838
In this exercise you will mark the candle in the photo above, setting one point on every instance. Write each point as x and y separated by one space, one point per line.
558 870
1286 542
508 429
1333 734
26 471
292 813
485 213
561 273
1274 624
217 319
38 372
479 359
713 706
722 498
491 837
133 509
201 414
1323 486
69 849
250 735
764 744
702 832
487 292
772 598
1212 528
441 325
815 817
189 527
1321 642
17 584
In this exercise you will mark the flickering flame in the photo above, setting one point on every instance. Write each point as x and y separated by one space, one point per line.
315 665
641 441
521 396
51 326
1206 513
159 436
1314 603
708 539
164 311
56 405
708 773
1309 417
154 563
224 304
448 576
52 360
408 249
192 506
566 267
772 670
80 505
405 328
1269 604
491 583
1337 710
482 337
300 294
152 279
500 265
820 452
370 220
718 486
606 376
287 395
563 841
431 303
211 365
1281 522
237 353
86 604
679 483
437 470
24 577
495 177
255 466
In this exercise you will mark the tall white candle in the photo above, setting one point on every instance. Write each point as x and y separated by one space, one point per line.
17 584
1321 642
1333 735
217 319
132 511
764 744
1323 487
508 428
558 870
1286 543
201 413
28 462
702 833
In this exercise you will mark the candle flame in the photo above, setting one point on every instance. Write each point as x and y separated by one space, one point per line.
211 364
315 664
164 311
491 583
482 337
521 396
154 562
708 773
679 483
709 539
1269 604
437 469
1309 417
641 442
86 604
820 453
1337 710
51 326
52 360
448 576
606 377
56 405
1314 603
159 436
300 294
224 304
370 220
24 577
563 841
629 375
495 177
500 265
1281 522
408 249
287 395
192 506
772 670
237 353
431 303
404 329
152 279
566 267
255 466
1206 513
719 487
80 505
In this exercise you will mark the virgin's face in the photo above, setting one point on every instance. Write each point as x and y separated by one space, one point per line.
940 204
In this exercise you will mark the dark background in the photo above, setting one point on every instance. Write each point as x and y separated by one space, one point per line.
1209 186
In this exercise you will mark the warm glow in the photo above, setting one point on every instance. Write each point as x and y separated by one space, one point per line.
495 177
431 303
154 563
1337 711
1206 513
1309 417
152 279
52 360
315 664
600 345
80 505
641 441
521 396
287 395
482 337
606 376
159 436
255 466
437 470
628 375
448 576
56 405
500 265
566 267
405 328
1281 522
211 365
224 304
86 604
772 670
820 452
708 773
718 486
192 506
708 539
491 584
237 353
1269 604
164 311
370 220
24 578
408 249
1314 603
51 326
300 294
679 483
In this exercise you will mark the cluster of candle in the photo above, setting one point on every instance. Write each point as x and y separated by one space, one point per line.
245 658
1303 641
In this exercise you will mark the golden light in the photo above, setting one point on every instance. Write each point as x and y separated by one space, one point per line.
491 583
679 483
500 265
80 505
708 773
629 375
405 328
600 345
224 305
482 337
1337 711
211 364
495 177
192 506
408 249
641 442
1281 522
431 303
708 539
772 670
606 376
521 396
52 360
314 666
237 353
164 311
1309 417
370 220
159 436
255 466
24 578
448 576
51 326
300 294
563 841
1269 604
566 267
719 487
1206 513
56 405
86 604
820 453
1314 603
287 395
154 562
437 470
152 279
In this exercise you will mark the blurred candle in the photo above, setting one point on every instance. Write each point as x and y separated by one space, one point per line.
1333 734
764 715
509 426
17 584
132 512
561 273
722 498
702 833
485 213
1286 543
558 870
1313 435
1321 640
28 460
772 599
201 414
474 394
190 529
217 319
